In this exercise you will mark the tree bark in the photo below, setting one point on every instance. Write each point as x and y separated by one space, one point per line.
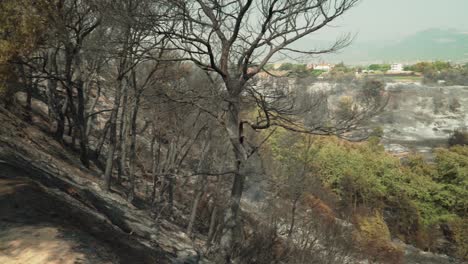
122 70
132 176
61 120
212 228
81 124
112 136
232 226
156 160
27 81
201 184
293 217
89 119
56 108
101 141
168 171
123 136
72 58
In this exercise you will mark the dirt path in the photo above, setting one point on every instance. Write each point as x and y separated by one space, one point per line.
33 232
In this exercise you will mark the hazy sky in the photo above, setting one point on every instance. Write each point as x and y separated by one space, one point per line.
389 19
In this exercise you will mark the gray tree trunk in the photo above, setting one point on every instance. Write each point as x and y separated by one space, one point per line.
123 136
201 184
81 124
72 58
156 165
89 119
112 136
212 228
293 217
231 234
133 132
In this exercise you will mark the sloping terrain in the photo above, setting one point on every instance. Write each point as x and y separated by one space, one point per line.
34 230
64 199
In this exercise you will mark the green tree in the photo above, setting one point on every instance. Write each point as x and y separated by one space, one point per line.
442 65
458 137
379 67
342 73
341 67
423 67
286 66
374 67
316 73
385 67
420 195
21 25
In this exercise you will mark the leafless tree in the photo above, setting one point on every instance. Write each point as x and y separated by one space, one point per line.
235 40
147 74
134 45
73 31
61 61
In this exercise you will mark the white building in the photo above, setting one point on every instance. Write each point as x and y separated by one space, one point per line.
323 67
277 66
396 67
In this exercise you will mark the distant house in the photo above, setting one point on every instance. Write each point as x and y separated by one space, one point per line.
277 65
275 73
323 67
396 67
251 69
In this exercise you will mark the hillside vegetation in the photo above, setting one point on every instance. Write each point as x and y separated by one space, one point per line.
419 201
153 132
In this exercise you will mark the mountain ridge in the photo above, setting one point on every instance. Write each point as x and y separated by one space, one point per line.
426 45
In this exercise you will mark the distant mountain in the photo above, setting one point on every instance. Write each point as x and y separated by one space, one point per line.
431 44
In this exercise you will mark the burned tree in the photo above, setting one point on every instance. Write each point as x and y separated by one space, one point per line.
234 40
134 47
60 59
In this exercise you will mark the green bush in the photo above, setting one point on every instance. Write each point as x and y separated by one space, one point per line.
459 137
374 240
419 196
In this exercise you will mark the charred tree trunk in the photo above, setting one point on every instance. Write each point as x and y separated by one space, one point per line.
167 171
112 136
78 112
201 185
123 136
27 81
61 117
156 158
89 118
122 71
293 217
133 132
170 192
81 126
193 215
101 140
231 235
70 126
213 222
56 107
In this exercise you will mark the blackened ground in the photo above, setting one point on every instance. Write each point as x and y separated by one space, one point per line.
35 229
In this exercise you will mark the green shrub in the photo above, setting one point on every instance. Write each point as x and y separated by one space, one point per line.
459 137
374 240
